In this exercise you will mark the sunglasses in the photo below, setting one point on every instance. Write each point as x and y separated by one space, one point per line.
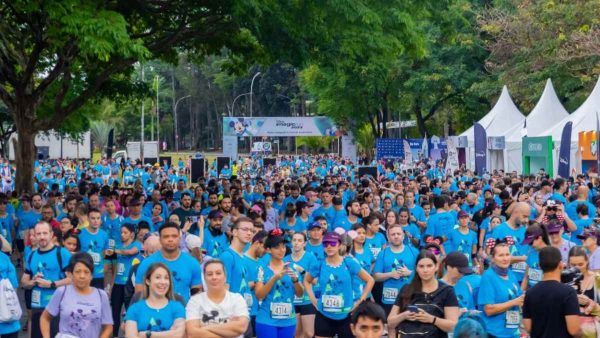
328 244
434 251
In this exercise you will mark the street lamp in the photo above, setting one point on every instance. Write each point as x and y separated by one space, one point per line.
251 86
232 110
175 116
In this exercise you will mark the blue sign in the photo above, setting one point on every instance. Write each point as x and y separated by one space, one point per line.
390 148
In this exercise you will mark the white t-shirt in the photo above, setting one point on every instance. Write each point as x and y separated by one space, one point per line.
200 307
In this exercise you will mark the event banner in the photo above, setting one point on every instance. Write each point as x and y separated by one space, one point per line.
452 163
480 149
279 126
230 146
434 148
389 148
564 155
349 148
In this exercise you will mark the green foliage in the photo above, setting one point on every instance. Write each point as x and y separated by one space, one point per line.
364 139
315 143
99 131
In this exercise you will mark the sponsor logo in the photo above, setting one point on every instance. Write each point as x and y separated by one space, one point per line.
534 147
563 160
291 125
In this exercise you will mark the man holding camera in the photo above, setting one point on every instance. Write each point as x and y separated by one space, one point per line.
551 309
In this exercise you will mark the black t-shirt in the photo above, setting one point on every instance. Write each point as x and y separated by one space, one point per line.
547 304
432 303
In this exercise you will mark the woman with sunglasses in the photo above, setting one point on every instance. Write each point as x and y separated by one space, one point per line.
424 306
500 295
276 287
157 314
335 275
537 238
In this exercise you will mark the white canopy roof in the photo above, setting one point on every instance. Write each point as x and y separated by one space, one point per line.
584 118
502 118
543 117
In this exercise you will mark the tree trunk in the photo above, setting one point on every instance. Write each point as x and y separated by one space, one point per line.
420 120
25 157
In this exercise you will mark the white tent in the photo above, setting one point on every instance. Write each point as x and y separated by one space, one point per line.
503 117
584 119
544 115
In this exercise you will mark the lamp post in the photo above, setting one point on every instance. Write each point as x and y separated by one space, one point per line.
232 110
175 117
251 86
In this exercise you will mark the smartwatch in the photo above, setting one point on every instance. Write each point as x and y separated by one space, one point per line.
53 285
148 334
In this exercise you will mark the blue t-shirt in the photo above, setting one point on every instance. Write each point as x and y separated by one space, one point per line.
463 243
8 271
413 230
440 224
95 245
113 229
135 222
581 224
124 262
328 213
236 272
303 264
7 224
46 263
185 270
375 244
535 273
155 320
366 260
336 298
496 290
388 261
214 245
277 308
467 290
316 250
252 268
27 220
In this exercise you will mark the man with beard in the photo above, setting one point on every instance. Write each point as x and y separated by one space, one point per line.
225 208
213 203
44 272
353 213
186 213
294 196
185 269
135 214
48 216
233 258
156 198
326 208
215 240
69 208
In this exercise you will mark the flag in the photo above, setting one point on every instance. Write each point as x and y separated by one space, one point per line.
407 153
564 155
425 148
480 149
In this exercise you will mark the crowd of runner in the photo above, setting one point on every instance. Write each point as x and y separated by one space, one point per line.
306 248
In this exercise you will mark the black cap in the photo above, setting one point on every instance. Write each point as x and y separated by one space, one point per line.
459 261
215 214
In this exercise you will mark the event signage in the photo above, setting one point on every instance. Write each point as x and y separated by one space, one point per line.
564 155
279 126
535 146
496 142
349 147
463 142
452 163
230 146
389 148
480 149
262 147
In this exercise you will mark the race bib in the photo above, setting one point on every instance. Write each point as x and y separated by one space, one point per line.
95 257
248 299
111 243
535 275
281 310
513 319
36 298
120 268
519 266
332 303
22 234
390 294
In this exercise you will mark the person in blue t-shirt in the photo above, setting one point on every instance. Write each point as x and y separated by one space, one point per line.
44 272
232 257
537 238
94 241
500 294
187 275
7 271
136 216
374 240
326 209
335 301
394 266
363 255
462 239
440 223
215 240
157 311
277 284
127 250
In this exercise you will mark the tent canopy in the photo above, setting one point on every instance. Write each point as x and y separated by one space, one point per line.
543 117
503 117
584 118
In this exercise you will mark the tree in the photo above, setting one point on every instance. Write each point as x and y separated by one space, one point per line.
315 143
99 131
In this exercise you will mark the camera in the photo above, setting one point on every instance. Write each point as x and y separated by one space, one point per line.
572 277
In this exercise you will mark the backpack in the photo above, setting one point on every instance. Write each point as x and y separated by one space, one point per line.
409 329
10 310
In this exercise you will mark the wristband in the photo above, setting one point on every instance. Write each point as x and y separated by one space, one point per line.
434 319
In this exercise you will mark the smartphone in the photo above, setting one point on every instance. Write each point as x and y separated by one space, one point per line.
413 308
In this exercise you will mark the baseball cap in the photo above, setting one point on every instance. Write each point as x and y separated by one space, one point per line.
25 198
589 233
459 261
332 237
551 203
192 241
532 233
215 214
554 227
463 213
134 202
315 224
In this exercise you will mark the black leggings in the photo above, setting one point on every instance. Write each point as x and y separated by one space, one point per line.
10 335
35 331
117 301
